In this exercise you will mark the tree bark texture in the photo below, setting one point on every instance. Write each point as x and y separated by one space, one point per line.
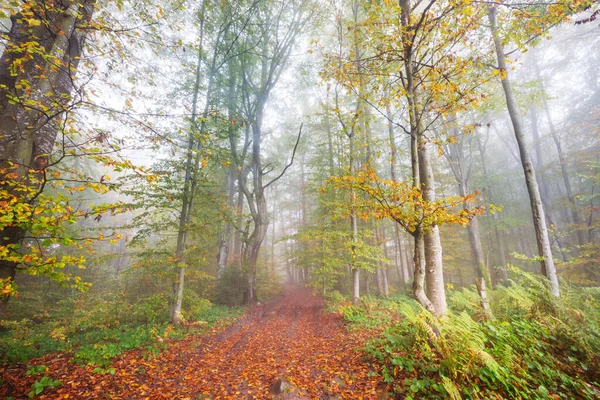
30 115
539 218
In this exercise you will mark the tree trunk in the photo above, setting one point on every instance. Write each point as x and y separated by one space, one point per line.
434 272
192 167
259 209
577 221
539 219
563 166
461 169
378 281
175 311
419 249
502 274
237 236
543 184
422 178
225 236
227 241
539 161
419 281
386 283
408 261
479 264
28 128
402 266
355 270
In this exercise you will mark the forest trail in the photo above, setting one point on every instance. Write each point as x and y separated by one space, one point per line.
291 338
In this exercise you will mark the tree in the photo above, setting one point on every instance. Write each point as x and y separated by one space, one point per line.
461 166
561 157
539 218
37 75
264 55
419 52
405 204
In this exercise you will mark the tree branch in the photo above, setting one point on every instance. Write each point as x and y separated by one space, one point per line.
291 161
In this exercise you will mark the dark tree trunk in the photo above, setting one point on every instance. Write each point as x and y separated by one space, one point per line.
29 123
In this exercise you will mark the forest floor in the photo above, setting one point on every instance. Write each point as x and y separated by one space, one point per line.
290 348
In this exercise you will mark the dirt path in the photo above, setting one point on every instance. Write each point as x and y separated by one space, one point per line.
292 339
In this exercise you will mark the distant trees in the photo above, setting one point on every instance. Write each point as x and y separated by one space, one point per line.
461 166
264 52
408 81
547 17
409 59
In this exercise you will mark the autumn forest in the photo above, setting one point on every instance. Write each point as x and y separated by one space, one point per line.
299 199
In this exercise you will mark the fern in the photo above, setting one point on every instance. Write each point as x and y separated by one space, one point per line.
451 388
536 341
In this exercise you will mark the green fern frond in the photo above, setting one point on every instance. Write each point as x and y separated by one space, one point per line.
488 360
451 388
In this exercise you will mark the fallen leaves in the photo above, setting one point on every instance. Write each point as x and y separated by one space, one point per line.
292 338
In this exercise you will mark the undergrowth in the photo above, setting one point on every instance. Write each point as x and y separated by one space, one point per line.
536 347
96 330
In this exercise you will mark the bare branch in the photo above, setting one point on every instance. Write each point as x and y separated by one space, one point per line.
291 161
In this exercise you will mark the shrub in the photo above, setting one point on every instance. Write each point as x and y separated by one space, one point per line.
231 287
537 347
150 310
194 307
98 329
268 284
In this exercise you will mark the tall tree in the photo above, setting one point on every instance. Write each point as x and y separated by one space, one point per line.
577 221
265 55
225 20
461 166
37 75
537 209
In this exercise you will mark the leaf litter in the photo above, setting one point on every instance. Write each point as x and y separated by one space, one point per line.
289 348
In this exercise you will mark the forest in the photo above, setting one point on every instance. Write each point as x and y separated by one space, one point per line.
300 199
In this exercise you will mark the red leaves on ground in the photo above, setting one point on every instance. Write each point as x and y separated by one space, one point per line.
292 339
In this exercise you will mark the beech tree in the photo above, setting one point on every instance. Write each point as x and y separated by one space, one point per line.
37 75
413 48
551 16
461 166
264 56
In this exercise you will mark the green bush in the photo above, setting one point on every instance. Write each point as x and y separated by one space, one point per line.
22 340
231 287
98 329
151 310
194 307
100 347
536 347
